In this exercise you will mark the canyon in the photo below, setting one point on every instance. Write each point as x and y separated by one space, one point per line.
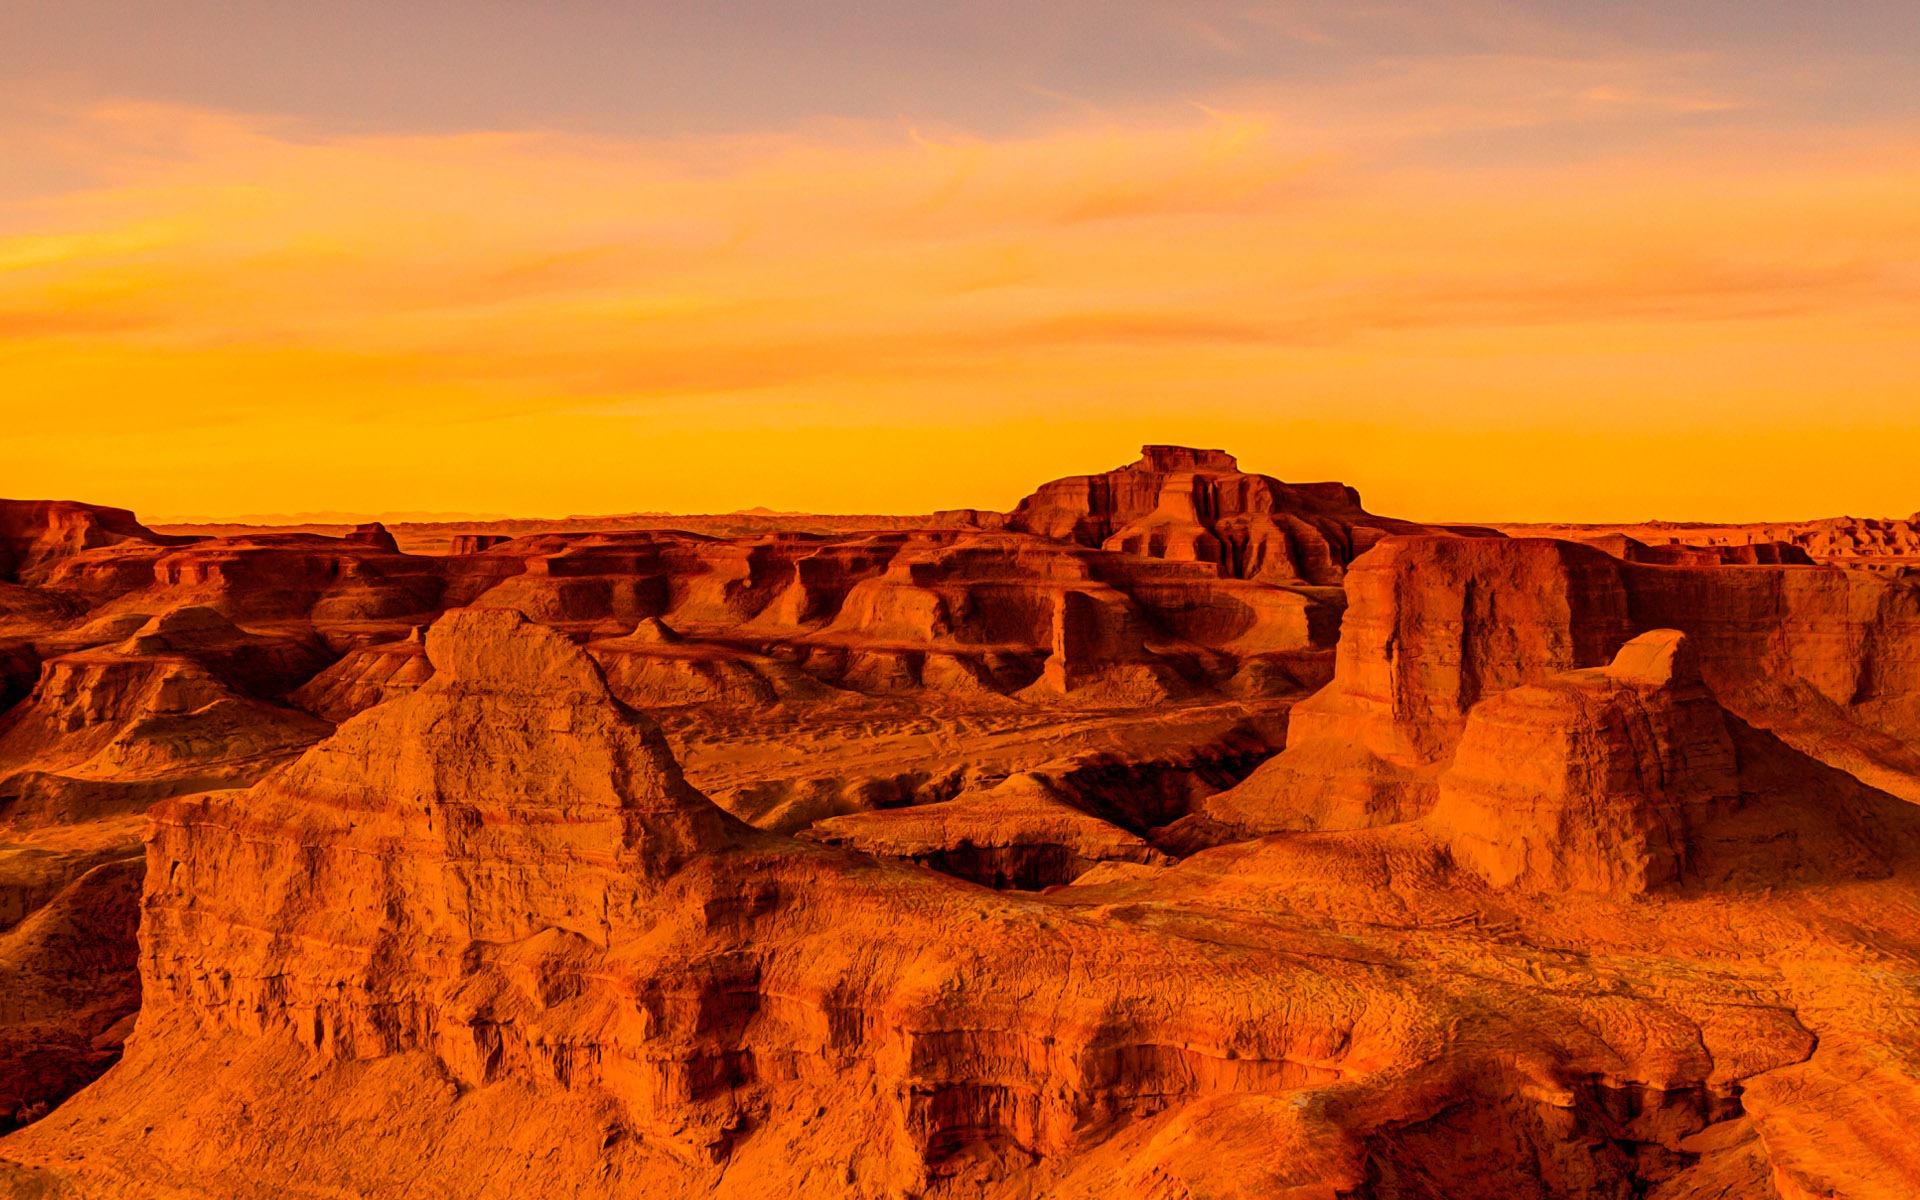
1180 833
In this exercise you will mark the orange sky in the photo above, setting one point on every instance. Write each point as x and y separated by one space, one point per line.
1620 313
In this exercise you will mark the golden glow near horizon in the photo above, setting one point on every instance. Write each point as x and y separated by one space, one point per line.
232 316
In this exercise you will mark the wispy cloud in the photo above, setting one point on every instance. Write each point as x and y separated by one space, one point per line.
1273 258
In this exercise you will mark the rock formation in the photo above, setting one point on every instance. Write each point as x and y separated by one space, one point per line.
1436 625
1891 545
954 858
493 904
374 534
35 535
1198 506
1594 780
365 677
1025 833
68 976
1433 625
118 726
475 543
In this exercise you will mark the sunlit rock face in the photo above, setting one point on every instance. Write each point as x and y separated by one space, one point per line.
1198 506
1594 780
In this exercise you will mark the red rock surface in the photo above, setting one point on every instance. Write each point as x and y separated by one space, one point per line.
956 861
1198 506
1598 780
1891 545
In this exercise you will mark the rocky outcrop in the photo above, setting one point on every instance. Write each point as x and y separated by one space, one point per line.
1886 544
365 677
1676 553
374 534
1198 506
1017 613
114 728
36 535
475 543
69 990
1595 780
504 870
1433 625
1827 659
655 667
1024 833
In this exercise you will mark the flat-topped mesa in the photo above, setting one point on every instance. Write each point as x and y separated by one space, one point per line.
374 534
36 534
475 543
1198 506
1594 780
1186 458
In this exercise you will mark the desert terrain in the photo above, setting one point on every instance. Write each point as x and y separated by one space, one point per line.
1181 833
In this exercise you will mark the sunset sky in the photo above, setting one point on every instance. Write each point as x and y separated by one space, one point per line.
1584 261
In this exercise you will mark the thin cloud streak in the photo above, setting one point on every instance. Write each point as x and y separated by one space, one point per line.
1263 264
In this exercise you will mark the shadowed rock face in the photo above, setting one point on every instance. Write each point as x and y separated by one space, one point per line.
68 976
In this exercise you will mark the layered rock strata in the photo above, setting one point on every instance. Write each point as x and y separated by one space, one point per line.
1596 780
1827 659
1198 506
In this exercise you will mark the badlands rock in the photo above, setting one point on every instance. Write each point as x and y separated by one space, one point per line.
1022 834
1684 554
115 728
1871 543
1198 506
783 769
655 667
71 990
346 592
365 677
374 534
486 939
1827 659
475 543
1595 780
35 535
486 935
1432 626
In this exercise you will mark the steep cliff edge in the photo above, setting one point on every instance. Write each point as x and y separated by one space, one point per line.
1595 780
36 535
1826 659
